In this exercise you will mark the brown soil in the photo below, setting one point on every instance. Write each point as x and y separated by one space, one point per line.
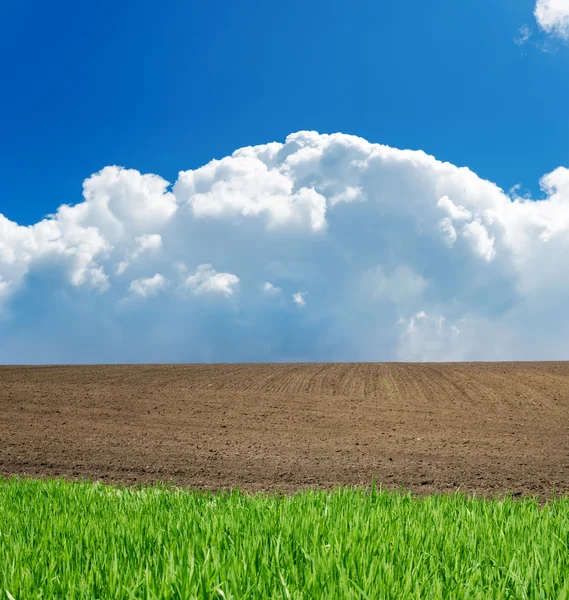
485 428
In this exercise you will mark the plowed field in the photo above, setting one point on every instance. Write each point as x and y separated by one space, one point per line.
485 428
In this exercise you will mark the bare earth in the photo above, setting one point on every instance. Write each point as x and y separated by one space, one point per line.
484 428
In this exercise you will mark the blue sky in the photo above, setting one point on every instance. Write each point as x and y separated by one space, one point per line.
163 88
166 86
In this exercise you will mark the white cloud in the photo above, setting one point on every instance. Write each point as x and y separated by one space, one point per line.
242 185
382 234
121 267
350 194
148 286
456 213
553 17
448 230
271 289
118 205
298 298
482 243
121 201
144 243
207 280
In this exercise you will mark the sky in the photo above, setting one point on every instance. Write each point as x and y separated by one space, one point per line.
300 181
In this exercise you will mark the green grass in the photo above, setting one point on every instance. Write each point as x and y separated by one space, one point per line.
80 540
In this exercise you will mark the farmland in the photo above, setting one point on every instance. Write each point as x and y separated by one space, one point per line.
287 481
482 428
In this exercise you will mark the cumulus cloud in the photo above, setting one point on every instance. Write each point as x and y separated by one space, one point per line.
206 280
298 298
147 242
243 185
144 243
270 289
482 243
455 213
350 194
448 231
553 17
402 257
147 286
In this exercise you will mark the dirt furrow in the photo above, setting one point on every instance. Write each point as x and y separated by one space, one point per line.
484 427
